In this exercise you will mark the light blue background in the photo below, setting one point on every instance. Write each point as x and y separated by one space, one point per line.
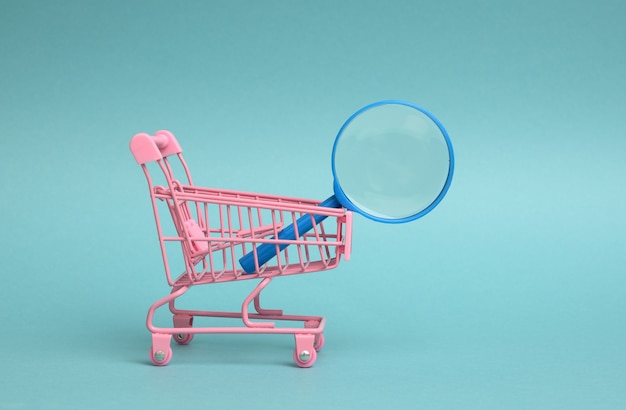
509 295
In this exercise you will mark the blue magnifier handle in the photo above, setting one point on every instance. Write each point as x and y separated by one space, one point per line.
267 251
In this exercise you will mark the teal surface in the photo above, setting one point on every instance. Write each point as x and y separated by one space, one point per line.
509 295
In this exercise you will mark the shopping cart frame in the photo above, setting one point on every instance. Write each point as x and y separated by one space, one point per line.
212 228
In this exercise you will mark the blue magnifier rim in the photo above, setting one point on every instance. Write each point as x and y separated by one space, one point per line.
348 204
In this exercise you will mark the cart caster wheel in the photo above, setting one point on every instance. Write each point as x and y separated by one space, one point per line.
305 358
160 358
183 338
319 342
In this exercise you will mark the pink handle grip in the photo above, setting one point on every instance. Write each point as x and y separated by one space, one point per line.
146 148
161 141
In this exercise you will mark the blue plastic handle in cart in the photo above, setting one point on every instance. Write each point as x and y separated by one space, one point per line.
392 162
267 251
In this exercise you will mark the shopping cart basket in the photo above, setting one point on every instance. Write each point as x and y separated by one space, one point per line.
211 229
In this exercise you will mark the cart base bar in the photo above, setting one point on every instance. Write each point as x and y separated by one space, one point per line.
309 338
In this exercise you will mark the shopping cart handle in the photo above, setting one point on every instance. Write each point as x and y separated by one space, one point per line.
267 251
146 148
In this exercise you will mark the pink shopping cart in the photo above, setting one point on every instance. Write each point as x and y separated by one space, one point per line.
204 232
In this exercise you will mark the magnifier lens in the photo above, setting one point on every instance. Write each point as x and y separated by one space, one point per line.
391 161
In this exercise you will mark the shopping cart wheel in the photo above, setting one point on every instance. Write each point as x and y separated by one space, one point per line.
183 322
183 338
304 358
319 342
160 358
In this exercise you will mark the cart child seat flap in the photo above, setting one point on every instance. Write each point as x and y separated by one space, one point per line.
194 231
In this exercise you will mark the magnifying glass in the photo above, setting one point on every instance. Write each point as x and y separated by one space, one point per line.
392 162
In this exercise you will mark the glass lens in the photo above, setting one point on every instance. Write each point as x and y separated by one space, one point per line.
391 161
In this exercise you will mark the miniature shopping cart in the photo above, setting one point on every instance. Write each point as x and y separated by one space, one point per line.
203 232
